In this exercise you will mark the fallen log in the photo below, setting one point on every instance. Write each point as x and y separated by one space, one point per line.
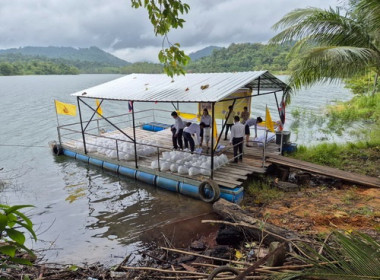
233 212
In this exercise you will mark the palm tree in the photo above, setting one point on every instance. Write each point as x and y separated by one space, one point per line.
332 44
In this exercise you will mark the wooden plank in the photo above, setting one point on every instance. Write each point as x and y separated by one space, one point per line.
230 175
233 170
223 181
328 171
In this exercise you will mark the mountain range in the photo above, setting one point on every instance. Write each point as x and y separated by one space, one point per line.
91 54
92 60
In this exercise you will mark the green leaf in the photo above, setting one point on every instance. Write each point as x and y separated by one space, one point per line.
25 218
8 250
16 207
16 235
73 268
3 222
29 228
20 261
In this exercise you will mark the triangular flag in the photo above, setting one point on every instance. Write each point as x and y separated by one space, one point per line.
65 108
99 111
268 120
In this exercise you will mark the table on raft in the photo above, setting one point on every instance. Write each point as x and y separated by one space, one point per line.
230 176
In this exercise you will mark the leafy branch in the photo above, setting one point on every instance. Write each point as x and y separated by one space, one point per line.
164 15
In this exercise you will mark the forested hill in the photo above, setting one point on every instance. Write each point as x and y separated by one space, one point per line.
203 52
243 57
63 60
92 54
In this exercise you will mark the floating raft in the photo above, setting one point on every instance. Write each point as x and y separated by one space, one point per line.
229 177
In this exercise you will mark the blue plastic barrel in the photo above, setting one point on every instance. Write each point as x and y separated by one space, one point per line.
146 177
82 158
167 184
189 190
129 172
110 166
96 162
69 153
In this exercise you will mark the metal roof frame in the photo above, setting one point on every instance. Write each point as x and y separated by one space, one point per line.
191 88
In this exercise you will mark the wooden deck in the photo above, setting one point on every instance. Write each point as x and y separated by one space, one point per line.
234 174
229 176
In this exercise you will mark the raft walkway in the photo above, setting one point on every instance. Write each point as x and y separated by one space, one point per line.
354 178
233 174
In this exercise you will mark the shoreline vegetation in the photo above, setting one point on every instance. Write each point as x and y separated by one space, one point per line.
361 156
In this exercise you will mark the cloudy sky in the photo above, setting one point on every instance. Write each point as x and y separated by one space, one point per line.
114 26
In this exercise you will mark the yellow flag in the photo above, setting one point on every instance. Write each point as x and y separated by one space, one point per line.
188 116
215 134
268 120
65 108
99 111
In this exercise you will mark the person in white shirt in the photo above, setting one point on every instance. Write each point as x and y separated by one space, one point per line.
248 124
192 128
205 131
177 130
237 138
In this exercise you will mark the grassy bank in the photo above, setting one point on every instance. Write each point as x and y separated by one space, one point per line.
362 156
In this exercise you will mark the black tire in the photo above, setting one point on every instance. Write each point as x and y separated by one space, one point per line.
215 189
57 150
222 269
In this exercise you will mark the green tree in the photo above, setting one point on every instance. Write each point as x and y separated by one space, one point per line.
332 44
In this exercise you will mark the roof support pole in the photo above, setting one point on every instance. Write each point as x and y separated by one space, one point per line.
134 133
224 125
258 86
212 139
278 108
81 126
103 117
97 107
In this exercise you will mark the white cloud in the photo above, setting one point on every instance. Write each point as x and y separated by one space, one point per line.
116 26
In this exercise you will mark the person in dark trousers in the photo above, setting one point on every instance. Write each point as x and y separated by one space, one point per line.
229 120
177 130
237 138
192 128
248 124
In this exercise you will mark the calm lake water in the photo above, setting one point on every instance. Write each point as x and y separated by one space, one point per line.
85 214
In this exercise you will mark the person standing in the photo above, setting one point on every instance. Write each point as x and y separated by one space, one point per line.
205 131
177 130
229 120
237 138
248 124
192 128
245 115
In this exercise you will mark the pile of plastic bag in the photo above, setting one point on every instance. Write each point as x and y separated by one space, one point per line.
107 147
185 163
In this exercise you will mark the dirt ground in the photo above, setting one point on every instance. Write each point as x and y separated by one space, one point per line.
320 210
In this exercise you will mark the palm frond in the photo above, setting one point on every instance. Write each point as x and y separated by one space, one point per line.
354 257
371 11
326 64
294 17
320 27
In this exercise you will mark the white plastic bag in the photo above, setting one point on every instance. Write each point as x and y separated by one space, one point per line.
183 170
165 166
194 171
174 167
154 164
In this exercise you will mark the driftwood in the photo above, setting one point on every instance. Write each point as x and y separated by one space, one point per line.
235 213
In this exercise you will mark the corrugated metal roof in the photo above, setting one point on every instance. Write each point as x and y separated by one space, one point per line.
203 87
